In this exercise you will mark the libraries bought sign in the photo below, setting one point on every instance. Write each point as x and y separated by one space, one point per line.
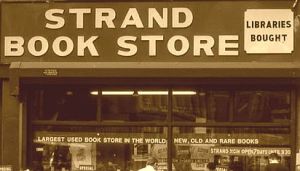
268 31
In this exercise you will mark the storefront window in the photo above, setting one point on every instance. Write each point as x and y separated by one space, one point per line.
134 105
262 106
101 148
229 148
232 106
202 106
62 104
188 106
131 124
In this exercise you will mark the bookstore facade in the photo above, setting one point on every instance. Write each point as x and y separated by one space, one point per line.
103 86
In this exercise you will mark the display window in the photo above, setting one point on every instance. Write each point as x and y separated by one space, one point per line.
58 103
134 105
101 148
232 106
229 148
186 129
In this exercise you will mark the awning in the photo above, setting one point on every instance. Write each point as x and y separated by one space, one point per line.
158 69
19 70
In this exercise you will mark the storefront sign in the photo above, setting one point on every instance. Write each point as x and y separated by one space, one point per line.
269 31
135 138
250 151
146 32
94 139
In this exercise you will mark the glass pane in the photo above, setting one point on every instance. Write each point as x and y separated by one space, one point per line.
262 106
201 106
188 106
105 148
240 149
218 106
139 105
62 104
236 106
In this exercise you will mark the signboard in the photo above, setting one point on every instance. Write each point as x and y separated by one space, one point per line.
250 151
269 31
150 138
125 32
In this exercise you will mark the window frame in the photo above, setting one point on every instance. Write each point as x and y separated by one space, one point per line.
213 84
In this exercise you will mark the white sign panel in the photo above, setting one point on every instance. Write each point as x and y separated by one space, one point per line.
268 31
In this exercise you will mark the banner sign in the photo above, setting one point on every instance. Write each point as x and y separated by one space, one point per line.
160 31
151 138
109 138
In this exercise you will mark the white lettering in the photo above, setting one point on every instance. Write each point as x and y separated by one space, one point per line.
13 46
32 46
155 16
123 42
87 44
155 141
79 12
106 15
152 43
113 140
50 139
184 45
224 45
132 18
58 21
208 43
57 46
196 140
74 139
176 17
93 140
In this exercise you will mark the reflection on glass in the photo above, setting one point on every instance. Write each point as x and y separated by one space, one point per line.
62 104
141 105
218 106
185 107
262 106
234 106
201 107
109 149
239 149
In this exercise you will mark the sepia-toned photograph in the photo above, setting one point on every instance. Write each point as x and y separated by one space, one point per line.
150 85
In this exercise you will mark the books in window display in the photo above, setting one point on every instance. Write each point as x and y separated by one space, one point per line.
141 152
